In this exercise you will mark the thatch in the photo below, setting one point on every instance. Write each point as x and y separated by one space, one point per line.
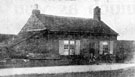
67 24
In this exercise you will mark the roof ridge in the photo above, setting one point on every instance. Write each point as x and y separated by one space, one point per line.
68 17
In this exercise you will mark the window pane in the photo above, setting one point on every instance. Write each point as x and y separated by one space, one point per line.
66 51
72 47
105 43
66 46
66 41
72 52
72 42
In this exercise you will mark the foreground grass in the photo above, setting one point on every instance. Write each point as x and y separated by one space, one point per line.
115 73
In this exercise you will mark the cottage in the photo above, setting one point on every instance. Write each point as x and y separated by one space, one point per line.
58 37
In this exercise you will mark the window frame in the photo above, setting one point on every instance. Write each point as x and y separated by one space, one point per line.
109 47
70 46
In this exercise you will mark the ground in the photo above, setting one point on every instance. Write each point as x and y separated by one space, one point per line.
115 70
117 73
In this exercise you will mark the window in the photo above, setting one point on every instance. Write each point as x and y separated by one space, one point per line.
69 47
106 47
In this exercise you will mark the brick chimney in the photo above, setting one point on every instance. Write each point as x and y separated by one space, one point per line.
97 13
35 10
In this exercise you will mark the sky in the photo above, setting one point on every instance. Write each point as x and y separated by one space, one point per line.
118 14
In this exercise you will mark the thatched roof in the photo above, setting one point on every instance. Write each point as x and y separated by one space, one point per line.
68 24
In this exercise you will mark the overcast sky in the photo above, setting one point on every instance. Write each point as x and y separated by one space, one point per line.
118 14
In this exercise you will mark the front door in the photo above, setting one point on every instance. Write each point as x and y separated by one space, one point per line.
92 48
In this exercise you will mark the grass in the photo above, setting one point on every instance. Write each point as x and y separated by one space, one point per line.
115 73
14 63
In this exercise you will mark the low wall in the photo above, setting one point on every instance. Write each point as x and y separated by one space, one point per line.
124 51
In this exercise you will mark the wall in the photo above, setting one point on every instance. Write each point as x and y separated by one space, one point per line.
46 46
39 44
125 50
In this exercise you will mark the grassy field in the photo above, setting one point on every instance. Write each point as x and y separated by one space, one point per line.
116 73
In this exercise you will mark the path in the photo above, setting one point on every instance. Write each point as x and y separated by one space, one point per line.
63 69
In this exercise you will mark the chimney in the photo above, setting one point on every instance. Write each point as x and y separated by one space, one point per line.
35 10
97 13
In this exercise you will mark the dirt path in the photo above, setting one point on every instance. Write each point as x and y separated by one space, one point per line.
63 69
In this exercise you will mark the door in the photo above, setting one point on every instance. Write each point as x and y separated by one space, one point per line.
92 48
